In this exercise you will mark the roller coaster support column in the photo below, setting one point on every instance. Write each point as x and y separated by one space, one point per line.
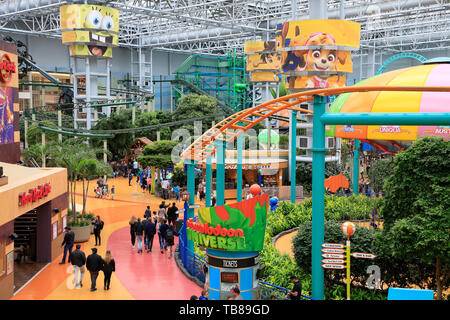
318 197
293 147
239 168
220 172
43 147
59 124
356 144
190 165
208 179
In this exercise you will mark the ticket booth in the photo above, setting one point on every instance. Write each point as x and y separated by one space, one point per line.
233 236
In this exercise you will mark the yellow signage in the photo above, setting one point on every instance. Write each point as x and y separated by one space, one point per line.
90 30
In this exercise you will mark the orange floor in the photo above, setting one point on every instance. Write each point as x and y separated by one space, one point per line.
138 276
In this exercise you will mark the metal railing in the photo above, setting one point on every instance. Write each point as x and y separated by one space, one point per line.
193 264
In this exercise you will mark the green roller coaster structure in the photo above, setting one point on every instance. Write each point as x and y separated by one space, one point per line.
221 77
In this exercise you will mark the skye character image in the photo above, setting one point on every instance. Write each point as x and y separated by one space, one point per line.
318 59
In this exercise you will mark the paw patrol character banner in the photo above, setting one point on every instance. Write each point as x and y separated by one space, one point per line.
262 60
316 53
236 227
90 30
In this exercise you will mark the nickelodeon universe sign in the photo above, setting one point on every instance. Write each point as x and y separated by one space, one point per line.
7 68
215 237
34 194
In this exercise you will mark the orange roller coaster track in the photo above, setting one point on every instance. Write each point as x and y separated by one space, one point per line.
230 128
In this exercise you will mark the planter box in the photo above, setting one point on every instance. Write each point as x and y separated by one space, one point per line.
82 234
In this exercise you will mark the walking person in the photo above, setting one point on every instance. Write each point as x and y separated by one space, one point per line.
98 226
109 266
68 241
144 223
94 263
296 292
78 260
161 228
172 214
139 234
176 190
150 231
113 190
170 238
148 212
130 177
162 210
132 224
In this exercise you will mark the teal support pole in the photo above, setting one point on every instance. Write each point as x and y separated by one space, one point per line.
318 197
190 164
239 168
356 145
208 178
220 172
293 147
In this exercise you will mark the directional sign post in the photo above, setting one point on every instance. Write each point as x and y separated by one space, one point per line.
195 206
333 256
333 245
332 250
363 255
332 261
333 266
180 211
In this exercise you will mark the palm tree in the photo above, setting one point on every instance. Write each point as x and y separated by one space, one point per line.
81 162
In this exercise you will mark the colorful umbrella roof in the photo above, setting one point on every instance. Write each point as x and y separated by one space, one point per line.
436 74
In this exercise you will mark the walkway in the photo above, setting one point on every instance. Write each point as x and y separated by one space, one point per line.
147 276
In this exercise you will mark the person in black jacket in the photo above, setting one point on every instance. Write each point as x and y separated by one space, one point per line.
68 241
139 234
170 238
78 259
109 266
132 224
94 263
98 226
150 231
172 214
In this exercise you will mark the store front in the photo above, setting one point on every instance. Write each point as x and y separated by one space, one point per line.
34 213
266 168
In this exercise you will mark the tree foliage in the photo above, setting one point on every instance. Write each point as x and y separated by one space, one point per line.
379 171
158 154
417 207
194 106
121 142
154 118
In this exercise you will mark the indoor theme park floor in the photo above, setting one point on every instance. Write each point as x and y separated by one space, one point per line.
146 276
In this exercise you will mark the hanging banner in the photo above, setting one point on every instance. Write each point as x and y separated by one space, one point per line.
236 227
316 53
90 30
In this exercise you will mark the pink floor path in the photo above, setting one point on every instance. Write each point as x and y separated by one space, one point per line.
149 276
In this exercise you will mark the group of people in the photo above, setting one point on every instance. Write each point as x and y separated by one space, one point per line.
101 191
94 263
162 223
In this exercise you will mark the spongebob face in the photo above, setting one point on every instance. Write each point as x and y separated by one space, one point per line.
90 29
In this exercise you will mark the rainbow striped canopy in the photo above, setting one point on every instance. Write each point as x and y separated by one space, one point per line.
435 74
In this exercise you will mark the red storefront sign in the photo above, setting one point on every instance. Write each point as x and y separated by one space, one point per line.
34 194
7 68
